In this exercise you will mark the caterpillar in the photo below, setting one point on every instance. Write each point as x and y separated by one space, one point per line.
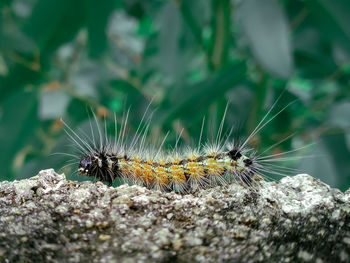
210 164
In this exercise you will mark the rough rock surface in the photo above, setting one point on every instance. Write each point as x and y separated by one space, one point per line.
49 219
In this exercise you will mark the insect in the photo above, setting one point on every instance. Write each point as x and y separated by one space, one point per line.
212 163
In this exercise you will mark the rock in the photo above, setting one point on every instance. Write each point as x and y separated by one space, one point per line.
49 219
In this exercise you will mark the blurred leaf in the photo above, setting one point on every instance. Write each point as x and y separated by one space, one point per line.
48 19
52 104
221 37
347 139
320 165
186 100
126 45
145 26
301 88
134 100
339 115
341 56
333 18
3 67
17 126
89 78
56 160
135 8
339 156
44 28
98 13
265 26
239 98
313 54
194 14
170 23
11 82
315 66
12 39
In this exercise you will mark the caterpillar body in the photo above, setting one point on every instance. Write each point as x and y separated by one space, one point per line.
170 173
208 165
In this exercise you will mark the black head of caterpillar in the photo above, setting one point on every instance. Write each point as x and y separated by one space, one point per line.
85 165
235 154
101 165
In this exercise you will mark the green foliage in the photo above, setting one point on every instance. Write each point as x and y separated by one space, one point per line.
61 58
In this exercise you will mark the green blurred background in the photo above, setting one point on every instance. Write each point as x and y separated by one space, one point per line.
64 58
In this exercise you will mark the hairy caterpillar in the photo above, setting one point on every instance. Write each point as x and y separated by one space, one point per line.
210 164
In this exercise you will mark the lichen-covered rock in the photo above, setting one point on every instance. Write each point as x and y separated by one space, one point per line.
49 219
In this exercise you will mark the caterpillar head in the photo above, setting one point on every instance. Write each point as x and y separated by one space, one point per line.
85 165
245 164
100 165
240 158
